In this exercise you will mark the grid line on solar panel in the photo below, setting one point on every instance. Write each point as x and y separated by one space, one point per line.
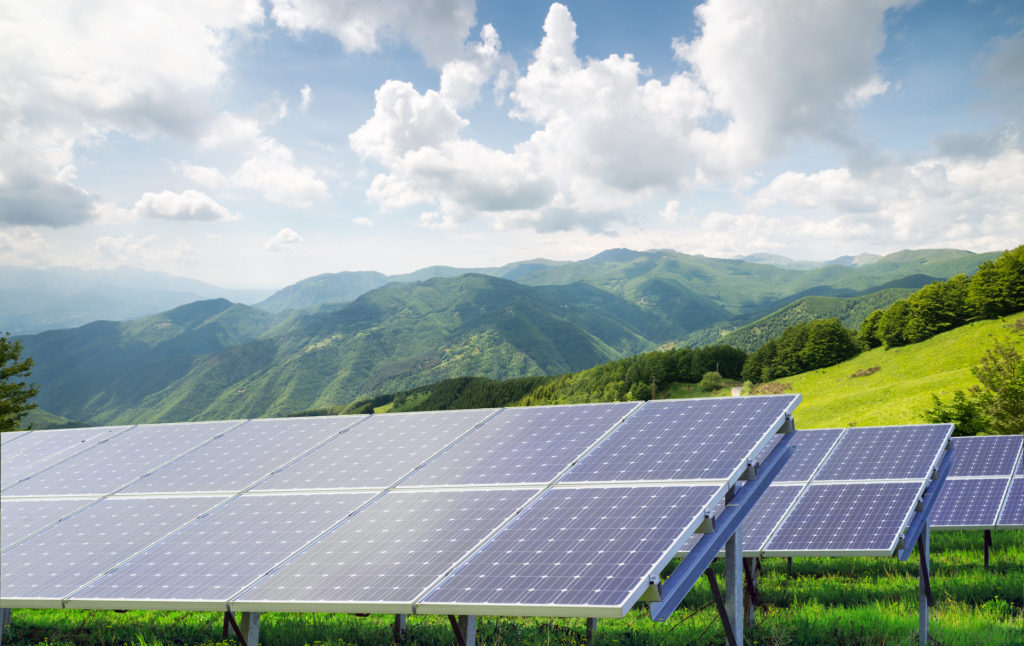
829 519
524 445
689 439
206 563
886 453
575 552
377 452
985 455
388 554
45 569
109 466
968 503
22 518
810 448
1012 514
242 456
41 450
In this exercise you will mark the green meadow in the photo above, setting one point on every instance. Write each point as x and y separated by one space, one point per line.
895 386
823 601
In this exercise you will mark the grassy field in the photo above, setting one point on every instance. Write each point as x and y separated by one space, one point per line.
825 601
900 390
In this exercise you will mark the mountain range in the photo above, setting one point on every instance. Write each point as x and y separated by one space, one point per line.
335 338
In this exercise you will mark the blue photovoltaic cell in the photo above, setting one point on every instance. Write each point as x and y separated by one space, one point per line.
242 456
215 557
11 435
41 449
54 563
809 449
377 452
886 453
765 515
574 547
984 455
861 517
1020 466
109 466
22 518
1013 509
971 502
685 439
522 445
391 551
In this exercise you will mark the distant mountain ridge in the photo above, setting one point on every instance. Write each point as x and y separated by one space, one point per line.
216 359
35 300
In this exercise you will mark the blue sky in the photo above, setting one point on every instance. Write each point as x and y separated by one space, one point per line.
251 143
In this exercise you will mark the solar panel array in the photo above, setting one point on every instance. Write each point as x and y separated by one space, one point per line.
845 492
983 490
563 510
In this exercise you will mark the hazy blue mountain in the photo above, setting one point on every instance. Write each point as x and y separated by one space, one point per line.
45 299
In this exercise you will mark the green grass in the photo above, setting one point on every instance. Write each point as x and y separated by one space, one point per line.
825 601
900 391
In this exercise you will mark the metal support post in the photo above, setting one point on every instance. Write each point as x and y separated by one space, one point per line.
924 588
250 628
467 626
591 629
751 568
789 566
401 630
988 545
5 621
734 584
716 594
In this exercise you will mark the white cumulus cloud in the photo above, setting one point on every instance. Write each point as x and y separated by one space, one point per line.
436 28
284 239
187 205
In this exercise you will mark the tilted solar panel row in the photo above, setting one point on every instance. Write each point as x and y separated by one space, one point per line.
389 513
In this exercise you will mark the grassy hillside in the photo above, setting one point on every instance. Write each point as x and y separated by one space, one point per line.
900 390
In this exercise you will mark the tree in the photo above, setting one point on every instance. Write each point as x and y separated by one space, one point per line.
995 405
710 381
14 394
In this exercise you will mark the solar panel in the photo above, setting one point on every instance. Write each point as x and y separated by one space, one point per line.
809 450
51 565
765 516
377 452
885 453
388 554
109 466
522 445
686 440
1012 514
575 551
20 519
968 503
38 450
985 455
1020 466
11 435
214 558
863 518
244 455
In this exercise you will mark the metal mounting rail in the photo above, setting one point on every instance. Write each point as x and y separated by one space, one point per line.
707 548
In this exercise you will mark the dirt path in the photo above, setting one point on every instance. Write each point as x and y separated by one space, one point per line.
737 391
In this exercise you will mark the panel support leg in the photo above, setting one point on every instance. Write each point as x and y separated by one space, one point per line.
924 587
734 583
789 566
250 628
751 569
591 629
400 630
988 545
464 628
5 621
716 594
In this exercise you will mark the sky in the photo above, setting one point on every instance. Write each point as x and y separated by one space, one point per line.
252 144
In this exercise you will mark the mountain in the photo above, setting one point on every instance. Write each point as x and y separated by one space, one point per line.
346 286
35 300
214 359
